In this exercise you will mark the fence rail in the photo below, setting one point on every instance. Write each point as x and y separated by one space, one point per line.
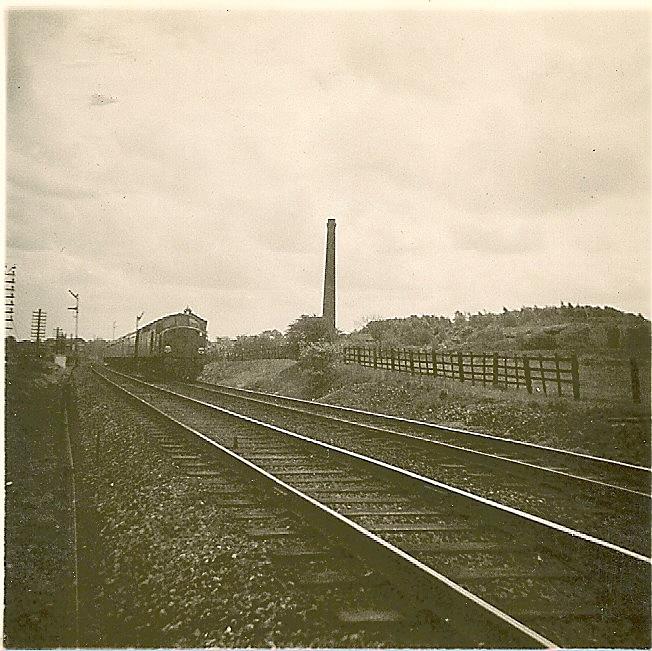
531 372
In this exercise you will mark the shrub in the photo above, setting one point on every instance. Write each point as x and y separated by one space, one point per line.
317 365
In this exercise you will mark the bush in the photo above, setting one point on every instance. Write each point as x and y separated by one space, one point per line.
317 366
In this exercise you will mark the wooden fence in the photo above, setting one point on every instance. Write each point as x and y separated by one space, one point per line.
550 374
532 372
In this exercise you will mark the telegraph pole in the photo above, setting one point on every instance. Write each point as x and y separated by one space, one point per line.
76 311
38 326
10 293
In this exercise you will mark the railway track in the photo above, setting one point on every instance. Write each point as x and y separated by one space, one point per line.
566 488
515 579
291 563
566 464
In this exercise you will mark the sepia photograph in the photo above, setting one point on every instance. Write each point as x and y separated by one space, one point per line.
327 325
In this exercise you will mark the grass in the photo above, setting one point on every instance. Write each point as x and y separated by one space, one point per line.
607 379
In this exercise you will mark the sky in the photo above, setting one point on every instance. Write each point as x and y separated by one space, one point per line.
471 159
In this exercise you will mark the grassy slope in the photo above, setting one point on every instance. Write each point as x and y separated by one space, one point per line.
38 545
583 426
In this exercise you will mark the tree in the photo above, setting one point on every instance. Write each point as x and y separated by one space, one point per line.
460 318
377 330
307 329
274 336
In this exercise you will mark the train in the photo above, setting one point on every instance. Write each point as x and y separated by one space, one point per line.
172 347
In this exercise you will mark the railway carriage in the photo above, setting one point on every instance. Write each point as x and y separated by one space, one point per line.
170 347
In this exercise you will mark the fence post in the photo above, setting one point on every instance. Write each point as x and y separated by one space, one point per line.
557 374
636 384
495 370
411 362
391 358
575 375
375 357
460 366
434 363
526 369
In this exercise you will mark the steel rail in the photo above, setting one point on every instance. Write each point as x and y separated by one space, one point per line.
549 524
414 563
424 439
423 423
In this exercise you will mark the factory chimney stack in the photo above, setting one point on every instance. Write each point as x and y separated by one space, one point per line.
328 313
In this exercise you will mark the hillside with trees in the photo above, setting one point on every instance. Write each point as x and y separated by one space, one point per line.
565 327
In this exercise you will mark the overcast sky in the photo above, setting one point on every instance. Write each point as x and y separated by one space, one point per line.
472 161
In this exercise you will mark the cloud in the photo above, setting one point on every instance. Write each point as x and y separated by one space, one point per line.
444 144
46 186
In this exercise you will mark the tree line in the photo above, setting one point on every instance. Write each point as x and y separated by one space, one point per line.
563 327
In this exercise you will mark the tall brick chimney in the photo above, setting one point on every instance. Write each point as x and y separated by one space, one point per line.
328 313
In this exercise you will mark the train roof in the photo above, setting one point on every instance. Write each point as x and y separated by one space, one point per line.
186 312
